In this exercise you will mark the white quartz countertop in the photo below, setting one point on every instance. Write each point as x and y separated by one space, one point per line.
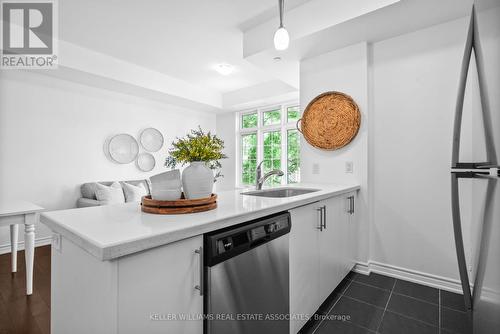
112 231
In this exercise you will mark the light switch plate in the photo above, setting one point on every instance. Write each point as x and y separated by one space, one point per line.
349 167
315 168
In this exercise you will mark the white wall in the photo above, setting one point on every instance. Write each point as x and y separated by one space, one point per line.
226 130
346 71
415 82
52 134
406 88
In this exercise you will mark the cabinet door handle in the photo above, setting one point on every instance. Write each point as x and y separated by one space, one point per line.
351 205
320 227
324 217
199 251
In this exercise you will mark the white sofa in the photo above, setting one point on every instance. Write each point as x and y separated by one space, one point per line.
88 192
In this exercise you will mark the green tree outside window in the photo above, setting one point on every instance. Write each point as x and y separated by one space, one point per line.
248 158
249 121
292 114
272 155
293 156
272 117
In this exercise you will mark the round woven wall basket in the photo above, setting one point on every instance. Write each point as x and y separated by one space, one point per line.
331 121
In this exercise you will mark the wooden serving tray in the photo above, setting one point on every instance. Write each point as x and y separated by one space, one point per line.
180 206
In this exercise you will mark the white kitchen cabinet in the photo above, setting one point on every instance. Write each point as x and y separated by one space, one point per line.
157 288
332 246
304 263
83 291
350 201
323 241
139 293
341 241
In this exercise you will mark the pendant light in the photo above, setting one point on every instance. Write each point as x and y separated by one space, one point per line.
281 37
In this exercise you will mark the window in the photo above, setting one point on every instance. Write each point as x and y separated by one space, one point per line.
249 120
269 135
248 157
293 156
272 155
293 114
272 117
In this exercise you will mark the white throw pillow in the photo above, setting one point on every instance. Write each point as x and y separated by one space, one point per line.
109 195
134 193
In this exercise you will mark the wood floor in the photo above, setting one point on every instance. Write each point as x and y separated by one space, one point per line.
18 312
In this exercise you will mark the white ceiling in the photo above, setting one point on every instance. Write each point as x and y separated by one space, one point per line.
184 39
180 38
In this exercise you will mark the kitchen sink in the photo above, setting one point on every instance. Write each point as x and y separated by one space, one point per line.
280 192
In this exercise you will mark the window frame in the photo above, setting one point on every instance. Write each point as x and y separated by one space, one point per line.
283 127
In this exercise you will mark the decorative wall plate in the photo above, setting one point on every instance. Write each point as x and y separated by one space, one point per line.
146 162
123 148
151 139
330 121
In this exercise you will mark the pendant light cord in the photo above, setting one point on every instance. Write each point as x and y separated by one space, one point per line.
281 4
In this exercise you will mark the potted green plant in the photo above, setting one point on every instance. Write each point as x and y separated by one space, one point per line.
203 152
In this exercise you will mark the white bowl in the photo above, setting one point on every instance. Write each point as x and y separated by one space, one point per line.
174 184
166 194
172 177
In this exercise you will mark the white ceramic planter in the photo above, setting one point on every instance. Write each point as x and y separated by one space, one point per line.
197 180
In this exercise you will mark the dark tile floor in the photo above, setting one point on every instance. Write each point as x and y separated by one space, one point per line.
380 304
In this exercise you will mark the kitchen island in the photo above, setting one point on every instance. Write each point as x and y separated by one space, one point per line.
116 269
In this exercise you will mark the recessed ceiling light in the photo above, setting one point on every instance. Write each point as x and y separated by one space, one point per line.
224 69
277 58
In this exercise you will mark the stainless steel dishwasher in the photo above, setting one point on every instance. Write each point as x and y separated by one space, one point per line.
247 278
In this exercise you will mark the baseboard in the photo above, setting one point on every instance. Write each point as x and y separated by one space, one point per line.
439 282
362 268
4 249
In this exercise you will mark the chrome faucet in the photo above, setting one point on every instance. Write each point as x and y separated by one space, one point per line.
259 179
